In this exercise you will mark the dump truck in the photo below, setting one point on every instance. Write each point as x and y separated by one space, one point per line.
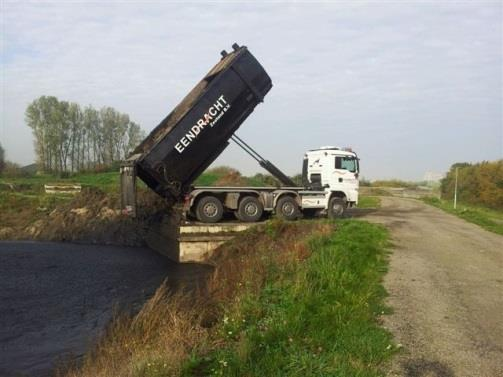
198 130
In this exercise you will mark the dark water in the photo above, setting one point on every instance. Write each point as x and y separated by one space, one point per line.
55 298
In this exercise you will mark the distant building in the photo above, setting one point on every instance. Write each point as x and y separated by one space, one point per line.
431 176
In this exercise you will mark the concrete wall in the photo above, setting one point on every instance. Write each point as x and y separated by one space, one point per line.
185 242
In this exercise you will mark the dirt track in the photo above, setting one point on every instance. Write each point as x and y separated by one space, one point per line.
446 289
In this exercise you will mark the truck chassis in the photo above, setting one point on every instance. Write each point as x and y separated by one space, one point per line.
208 204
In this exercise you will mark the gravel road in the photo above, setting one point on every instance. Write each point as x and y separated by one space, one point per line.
55 298
446 289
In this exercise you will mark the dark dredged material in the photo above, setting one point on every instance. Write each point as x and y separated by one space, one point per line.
196 132
56 298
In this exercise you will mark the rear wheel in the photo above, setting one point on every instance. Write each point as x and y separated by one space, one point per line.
209 209
250 209
287 208
336 208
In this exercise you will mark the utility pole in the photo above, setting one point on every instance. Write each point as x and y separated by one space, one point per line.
456 189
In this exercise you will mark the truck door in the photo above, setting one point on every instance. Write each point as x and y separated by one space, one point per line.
345 173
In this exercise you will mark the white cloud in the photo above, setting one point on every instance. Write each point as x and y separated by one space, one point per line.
412 86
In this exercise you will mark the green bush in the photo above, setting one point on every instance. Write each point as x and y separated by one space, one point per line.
478 184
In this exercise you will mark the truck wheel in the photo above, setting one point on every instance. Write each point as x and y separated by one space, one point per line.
209 209
250 209
336 208
287 208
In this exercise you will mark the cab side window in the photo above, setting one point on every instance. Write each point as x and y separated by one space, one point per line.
346 163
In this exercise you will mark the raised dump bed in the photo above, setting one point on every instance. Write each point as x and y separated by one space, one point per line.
194 134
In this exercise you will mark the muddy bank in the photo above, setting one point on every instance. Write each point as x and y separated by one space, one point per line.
91 217
57 297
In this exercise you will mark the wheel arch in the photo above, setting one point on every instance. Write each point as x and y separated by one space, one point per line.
197 195
338 194
282 193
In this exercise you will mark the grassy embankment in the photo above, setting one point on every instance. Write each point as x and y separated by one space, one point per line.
285 299
491 220
23 200
23 192
92 216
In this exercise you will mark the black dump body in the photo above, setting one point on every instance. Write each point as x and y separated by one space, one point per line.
196 132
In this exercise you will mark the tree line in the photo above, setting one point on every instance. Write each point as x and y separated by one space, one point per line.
69 138
2 159
479 184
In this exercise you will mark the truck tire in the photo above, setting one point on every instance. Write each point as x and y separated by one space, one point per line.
209 209
250 209
336 208
287 208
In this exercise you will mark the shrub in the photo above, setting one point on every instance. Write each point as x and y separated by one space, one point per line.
479 184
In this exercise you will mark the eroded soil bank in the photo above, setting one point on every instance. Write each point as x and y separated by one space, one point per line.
91 217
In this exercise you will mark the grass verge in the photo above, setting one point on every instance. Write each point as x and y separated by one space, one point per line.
488 219
369 202
285 299
318 317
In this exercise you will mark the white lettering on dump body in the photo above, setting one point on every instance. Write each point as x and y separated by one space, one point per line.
179 148
211 117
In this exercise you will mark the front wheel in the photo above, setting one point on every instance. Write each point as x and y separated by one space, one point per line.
287 208
336 208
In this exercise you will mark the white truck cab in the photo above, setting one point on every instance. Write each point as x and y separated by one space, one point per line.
334 171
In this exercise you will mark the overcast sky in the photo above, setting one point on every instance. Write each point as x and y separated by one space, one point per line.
411 86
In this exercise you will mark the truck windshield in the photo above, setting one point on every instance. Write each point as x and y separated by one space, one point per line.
346 163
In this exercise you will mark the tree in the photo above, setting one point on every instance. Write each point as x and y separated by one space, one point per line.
68 138
480 183
2 159
134 136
